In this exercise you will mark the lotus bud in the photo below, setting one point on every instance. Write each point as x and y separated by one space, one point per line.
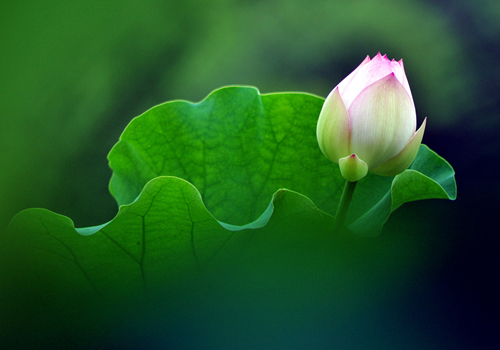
368 121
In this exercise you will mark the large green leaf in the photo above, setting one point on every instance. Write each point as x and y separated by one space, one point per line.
202 208
238 147
165 234
163 244
63 284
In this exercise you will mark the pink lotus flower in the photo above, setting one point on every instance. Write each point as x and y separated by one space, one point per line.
368 121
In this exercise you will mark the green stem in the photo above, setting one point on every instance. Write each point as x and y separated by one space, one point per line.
345 202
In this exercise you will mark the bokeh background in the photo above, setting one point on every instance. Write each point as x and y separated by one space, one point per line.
74 73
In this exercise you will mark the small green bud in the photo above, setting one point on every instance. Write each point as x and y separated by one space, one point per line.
352 168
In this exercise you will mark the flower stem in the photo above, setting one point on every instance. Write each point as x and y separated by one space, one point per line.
343 208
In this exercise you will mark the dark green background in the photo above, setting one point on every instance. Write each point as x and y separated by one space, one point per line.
73 74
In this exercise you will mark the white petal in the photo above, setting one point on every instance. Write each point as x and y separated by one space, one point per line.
383 120
333 128
403 160
346 82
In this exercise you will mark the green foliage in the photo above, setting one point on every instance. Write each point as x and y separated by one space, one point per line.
166 234
235 182
238 147
181 166
148 52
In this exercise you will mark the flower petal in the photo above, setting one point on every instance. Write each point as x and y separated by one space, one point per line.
352 168
382 120
401 75
403 160
333 128
346 82
376 69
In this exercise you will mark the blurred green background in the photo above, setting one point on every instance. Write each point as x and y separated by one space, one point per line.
73 75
